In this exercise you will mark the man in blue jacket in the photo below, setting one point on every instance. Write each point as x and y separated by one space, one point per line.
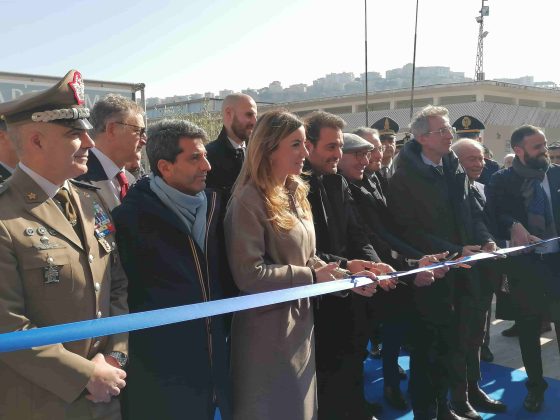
169 234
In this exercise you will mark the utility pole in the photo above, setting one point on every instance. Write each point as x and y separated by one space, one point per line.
365 39
479 69
413 63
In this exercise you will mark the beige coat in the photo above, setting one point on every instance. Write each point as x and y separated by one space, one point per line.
48 382
273 356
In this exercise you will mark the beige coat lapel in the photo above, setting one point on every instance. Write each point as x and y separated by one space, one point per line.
39 205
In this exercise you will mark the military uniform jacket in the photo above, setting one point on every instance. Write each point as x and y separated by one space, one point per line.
96 176
49 277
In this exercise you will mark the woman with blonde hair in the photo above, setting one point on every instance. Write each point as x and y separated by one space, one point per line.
270 242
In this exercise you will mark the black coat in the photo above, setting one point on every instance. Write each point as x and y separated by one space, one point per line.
340 237
436 213
490 168
377 222
175 369
504 205
226 164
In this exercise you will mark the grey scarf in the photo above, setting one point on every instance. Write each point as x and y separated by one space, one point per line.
191 209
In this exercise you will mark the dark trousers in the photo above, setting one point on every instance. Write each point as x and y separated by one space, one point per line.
429 365
394 333
341 334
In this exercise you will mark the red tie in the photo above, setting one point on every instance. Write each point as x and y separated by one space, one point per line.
123 182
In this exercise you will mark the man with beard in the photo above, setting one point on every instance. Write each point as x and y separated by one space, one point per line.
340 322
119 133
524 202
169 234
8 156
430 194
227 153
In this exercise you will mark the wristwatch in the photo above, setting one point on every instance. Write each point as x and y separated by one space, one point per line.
120 357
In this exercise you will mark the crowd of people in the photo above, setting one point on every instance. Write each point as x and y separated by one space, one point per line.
274 202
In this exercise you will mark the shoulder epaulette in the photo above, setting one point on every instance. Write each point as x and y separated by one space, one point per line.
84 184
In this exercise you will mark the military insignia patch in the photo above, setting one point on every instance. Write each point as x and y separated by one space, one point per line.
77 86
103 225
31 196
51 273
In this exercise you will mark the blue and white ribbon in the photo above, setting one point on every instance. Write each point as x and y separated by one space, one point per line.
20 340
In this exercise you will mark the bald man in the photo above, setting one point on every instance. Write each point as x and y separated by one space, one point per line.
227 153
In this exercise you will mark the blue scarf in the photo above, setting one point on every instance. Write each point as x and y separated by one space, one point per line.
191 209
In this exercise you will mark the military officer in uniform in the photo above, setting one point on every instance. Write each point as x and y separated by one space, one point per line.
468 127
8 156
59 264
388 129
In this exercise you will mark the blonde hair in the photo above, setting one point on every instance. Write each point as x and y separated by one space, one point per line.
271 128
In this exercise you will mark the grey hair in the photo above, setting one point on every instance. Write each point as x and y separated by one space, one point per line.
110 107
459 146
361 131
14 135
420 123
164 139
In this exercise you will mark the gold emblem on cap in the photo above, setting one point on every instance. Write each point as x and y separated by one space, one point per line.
466 121
386 125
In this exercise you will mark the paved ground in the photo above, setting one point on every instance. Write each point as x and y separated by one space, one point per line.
506 350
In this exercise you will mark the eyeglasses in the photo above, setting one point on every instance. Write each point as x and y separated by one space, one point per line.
361 155
141 130
443 131
379 149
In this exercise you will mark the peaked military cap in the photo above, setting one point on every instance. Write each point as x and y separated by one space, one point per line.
553 146
61 104
468 124
353 143
386 126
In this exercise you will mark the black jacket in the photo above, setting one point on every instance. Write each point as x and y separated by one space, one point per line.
436 213
180 366
226 164
340 237
490 168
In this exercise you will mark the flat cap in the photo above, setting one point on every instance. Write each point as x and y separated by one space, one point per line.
61 104
468 124
354 143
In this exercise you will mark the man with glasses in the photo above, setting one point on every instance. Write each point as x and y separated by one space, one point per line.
430 196
119 132
524 201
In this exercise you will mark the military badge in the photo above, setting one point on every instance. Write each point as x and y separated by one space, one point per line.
51 273
77 86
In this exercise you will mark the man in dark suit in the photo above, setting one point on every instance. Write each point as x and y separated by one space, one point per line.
168 231
471 156
340 322
119 132
469 127
430 194
524 202
8 156
227 153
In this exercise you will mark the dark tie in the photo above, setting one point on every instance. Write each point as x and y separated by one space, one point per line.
63 198
439 169
123 183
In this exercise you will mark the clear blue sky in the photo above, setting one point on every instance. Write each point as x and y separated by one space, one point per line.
194 46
